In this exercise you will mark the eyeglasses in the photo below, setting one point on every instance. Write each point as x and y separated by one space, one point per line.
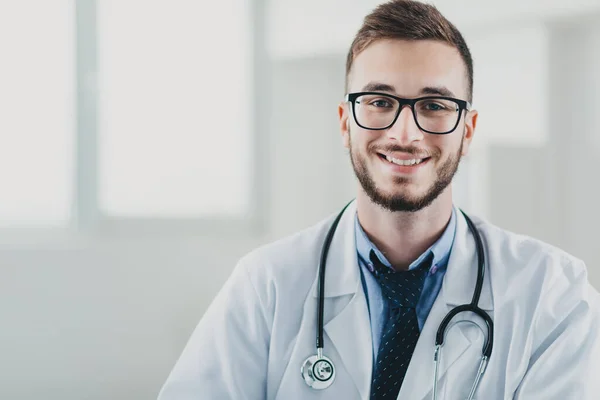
433 114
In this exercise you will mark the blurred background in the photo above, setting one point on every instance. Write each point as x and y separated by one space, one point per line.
147 145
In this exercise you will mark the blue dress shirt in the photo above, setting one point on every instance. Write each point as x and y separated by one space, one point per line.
378 307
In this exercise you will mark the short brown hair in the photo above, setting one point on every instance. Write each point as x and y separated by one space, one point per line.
409 20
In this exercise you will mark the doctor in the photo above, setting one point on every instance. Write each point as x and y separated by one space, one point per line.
401 258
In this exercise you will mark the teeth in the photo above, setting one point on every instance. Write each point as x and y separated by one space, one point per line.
404 162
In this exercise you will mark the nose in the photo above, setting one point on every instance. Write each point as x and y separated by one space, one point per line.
405 130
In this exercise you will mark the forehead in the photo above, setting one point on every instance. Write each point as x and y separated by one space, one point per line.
409 66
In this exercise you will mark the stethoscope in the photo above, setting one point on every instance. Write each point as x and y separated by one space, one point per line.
318 370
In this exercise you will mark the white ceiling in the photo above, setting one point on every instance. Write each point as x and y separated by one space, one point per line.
301 28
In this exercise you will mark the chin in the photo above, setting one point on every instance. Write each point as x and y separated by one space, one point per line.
407 194
402 196
403 187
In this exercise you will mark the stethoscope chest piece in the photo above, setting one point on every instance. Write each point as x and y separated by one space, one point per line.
318 372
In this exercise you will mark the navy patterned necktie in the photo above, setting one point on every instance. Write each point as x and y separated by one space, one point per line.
401 330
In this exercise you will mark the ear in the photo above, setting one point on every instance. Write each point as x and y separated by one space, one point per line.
470 125
344 117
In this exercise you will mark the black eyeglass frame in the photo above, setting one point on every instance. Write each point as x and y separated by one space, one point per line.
462 105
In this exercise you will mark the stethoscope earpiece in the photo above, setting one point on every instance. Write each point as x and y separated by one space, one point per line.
318 372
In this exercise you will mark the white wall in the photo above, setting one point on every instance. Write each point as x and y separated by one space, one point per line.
575 126
316 27
311 175
99 319
103 320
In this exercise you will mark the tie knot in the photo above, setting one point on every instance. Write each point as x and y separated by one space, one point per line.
401 288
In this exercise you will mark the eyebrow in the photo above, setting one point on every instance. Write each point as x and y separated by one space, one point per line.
384 87
378 87
437 90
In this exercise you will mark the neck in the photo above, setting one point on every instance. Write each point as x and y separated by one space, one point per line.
403 236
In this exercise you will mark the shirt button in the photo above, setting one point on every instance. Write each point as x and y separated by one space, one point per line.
434 269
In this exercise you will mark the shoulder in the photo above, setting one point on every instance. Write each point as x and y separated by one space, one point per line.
288 263
527 272
517 254
542 291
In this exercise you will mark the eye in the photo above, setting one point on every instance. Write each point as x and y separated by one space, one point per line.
437 106
381 103
431 106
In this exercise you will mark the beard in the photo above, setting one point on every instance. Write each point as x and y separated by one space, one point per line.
403 201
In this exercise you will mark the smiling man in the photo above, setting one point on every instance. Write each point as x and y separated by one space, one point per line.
357 306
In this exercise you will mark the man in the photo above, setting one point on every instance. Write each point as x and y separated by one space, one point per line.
401 258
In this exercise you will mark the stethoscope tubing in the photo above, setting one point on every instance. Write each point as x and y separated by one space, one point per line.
322 264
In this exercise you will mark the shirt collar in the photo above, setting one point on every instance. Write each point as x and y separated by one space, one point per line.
440 249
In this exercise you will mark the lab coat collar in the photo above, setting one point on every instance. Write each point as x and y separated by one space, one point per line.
461 274
342 272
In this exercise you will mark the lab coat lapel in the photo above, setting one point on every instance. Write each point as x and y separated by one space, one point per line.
350 334
349 330
457 289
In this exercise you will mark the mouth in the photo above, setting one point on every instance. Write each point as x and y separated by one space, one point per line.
405 162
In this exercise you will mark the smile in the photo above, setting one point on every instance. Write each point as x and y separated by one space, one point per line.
404 163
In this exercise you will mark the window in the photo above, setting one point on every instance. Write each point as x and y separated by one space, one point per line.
37 77
126 110
175 116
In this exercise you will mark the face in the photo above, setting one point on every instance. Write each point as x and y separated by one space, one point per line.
407 69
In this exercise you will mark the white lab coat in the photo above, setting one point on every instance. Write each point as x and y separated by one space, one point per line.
261 327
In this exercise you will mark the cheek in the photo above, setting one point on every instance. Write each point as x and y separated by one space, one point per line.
358 141
447 146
